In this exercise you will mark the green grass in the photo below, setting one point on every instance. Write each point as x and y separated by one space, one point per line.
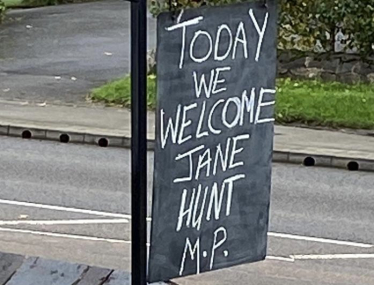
13 3
330 104
118 92
316 103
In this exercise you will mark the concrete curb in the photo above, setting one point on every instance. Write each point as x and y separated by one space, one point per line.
305 159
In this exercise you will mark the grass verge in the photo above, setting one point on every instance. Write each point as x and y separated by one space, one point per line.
119 92
331 104
316 103
13 3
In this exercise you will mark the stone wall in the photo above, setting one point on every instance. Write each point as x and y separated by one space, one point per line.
343 67
347 68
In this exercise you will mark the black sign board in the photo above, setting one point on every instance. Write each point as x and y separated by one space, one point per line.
216 69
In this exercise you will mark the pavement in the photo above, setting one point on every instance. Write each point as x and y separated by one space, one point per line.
58 54
22 270
91 124
71 202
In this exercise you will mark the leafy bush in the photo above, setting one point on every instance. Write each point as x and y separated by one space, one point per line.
318 21
2 10
306 24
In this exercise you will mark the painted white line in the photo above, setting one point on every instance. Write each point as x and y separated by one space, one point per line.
67 236
66 209
63 222
320 240
333 256
49 234
63 209
292 258
280 258
127 216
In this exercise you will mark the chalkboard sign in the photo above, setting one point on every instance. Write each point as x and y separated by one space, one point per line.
216 69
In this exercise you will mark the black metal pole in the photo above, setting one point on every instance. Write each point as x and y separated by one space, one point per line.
139 141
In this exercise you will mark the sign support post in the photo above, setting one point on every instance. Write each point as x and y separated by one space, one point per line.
139 142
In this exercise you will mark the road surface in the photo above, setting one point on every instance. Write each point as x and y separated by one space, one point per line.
57 54
72 202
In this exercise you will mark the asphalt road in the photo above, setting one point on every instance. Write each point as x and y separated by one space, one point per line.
58 54
79 197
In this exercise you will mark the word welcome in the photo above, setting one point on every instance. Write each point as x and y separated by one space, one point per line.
245 111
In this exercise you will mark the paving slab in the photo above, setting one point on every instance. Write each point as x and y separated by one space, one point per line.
95 275
118 278
37 271
322 142
21 270
95 120
9 263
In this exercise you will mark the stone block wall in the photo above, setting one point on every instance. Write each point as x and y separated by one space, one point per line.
342 67
346 68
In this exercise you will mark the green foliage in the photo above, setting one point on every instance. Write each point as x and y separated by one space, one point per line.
10 4
158 6
304 24
2 10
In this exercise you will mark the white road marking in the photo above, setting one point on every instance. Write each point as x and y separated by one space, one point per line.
79 237
320 240
66 209
279 258
127 216
63 222
291 258
68 236
333 256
